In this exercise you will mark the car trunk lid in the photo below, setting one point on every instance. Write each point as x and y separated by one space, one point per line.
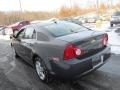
89 41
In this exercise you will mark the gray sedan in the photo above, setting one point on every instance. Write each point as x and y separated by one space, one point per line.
61 49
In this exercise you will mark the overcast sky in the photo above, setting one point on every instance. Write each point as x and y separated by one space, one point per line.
45 5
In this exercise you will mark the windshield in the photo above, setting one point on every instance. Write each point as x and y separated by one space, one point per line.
64 28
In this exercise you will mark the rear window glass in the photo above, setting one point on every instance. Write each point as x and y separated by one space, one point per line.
64 28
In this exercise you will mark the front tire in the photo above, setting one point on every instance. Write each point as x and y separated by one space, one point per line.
41 70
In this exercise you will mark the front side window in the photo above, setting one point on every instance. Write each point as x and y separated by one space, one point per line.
29 33
21 34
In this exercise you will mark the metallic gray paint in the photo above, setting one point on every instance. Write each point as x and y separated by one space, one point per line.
52 47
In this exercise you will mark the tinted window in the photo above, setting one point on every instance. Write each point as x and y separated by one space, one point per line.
64 28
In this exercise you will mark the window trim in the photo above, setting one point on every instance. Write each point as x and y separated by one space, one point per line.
23 30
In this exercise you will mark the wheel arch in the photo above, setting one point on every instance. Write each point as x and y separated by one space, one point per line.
47 63
34 56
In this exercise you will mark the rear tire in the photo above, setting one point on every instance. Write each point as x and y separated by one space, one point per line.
41 70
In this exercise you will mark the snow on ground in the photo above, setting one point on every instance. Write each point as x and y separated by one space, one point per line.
114 41
4 37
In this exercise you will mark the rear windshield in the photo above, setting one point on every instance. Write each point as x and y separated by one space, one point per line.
65 28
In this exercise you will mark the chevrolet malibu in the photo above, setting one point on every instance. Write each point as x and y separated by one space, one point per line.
61 49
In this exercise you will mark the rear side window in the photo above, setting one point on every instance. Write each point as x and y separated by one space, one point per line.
64 28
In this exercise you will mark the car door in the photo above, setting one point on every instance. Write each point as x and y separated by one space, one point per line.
27 43
16 42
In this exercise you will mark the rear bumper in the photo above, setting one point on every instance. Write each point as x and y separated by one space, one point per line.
78 67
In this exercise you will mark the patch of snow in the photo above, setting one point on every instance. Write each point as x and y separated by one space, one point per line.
115 49
4 37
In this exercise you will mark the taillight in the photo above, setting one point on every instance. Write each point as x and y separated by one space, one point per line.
72 52
105 40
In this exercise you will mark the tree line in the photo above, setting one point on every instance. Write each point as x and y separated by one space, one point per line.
7 18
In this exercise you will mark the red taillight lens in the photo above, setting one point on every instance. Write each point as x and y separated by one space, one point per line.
105 40
72 52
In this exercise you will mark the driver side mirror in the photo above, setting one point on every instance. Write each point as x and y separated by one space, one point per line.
12 36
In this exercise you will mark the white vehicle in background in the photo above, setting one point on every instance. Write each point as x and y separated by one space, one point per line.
91 19
81 19
5 33
115 19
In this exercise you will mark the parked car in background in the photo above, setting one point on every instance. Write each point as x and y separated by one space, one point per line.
2 32
61 49
91 19
81 18
17 26
117 30
5 33
115 19
105 17
2 26
76 21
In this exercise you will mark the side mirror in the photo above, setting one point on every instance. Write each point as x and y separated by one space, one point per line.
12 36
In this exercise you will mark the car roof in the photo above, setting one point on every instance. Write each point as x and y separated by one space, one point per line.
46 23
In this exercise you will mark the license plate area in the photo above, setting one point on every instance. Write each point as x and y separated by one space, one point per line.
97 60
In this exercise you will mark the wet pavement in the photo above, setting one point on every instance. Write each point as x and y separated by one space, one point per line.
15 74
